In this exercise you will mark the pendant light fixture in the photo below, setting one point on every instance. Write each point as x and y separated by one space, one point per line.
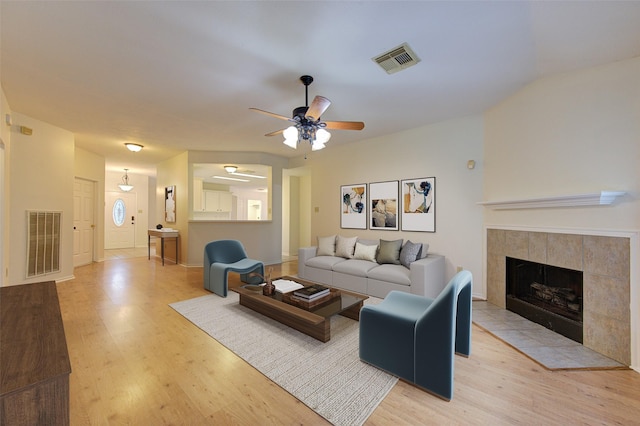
125 186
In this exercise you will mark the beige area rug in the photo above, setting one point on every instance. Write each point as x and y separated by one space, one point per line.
345 391
549 349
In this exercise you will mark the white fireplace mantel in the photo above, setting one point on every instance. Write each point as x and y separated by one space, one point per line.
602 198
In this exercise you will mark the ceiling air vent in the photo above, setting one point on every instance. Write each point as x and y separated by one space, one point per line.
397 59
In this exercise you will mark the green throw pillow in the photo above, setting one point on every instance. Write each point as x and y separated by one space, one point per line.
389 252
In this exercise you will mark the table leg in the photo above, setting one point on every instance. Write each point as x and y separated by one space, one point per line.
176 250
162 249
149 246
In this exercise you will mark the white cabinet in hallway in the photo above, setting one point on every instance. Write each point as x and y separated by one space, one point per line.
217 201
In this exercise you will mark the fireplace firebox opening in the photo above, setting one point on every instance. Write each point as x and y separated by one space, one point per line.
548 295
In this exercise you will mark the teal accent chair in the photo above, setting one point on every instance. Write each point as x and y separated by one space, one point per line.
415 337
224 256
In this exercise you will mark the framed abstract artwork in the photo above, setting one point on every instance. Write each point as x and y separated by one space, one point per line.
353 212
384 205
419 204
170 204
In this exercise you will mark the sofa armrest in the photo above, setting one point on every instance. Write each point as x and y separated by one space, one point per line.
428 276
304 254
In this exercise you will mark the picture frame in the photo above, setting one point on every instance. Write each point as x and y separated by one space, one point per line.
383 207
418 204
353 206
170 204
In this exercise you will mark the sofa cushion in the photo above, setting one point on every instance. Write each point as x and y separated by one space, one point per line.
389 252
365 252
324 262
397 274
409 253
345 246
326 246
355 267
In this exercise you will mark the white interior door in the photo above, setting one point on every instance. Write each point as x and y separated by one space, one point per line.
120 218
254 210
83 221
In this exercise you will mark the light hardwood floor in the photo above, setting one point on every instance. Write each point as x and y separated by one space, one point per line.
136 361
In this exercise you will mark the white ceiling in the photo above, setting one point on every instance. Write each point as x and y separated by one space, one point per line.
181 75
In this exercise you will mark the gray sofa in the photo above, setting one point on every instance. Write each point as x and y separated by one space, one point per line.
425 276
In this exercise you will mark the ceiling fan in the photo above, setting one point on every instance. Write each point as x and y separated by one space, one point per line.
307 124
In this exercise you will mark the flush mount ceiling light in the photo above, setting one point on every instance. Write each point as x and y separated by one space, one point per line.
133 147
307 125
125 182
231 169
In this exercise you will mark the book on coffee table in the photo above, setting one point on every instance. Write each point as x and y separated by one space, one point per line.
286 286
312 292
310 304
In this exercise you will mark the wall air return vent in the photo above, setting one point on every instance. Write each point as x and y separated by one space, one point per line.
397 59
43 242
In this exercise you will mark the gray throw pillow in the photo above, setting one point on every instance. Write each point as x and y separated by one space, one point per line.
389 252
410 253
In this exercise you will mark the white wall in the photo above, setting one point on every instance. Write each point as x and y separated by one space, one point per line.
441 150
569 134
41 178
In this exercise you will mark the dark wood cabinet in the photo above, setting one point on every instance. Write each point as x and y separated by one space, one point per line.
34 361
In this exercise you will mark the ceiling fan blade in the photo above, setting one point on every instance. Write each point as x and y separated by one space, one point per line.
281 117
277 132
345 125
317 108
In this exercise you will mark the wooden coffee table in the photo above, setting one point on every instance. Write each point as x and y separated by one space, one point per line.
314 321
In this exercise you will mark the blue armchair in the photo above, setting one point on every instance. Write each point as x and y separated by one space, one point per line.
222 257
415 338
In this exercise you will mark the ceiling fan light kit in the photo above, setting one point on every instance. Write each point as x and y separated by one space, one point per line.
307 125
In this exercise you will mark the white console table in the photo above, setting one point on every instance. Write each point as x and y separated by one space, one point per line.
162 234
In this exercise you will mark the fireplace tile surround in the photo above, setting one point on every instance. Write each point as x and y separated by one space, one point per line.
605 263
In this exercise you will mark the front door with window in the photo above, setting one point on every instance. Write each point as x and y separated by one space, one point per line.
120 220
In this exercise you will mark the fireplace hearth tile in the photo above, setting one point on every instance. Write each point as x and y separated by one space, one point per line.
549 349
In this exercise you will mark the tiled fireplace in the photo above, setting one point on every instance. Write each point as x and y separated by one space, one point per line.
605 264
